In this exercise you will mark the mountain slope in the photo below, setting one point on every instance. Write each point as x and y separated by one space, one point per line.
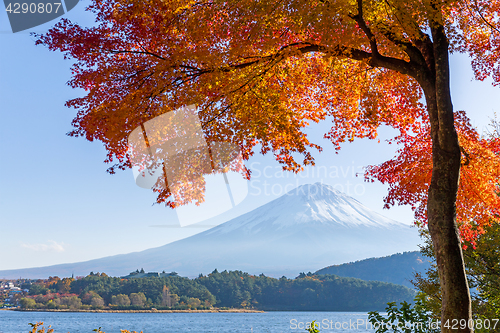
397 268
310 227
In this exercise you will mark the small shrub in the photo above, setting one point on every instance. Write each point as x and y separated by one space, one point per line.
312 328
407 319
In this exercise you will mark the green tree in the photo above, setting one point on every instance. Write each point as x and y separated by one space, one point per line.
137 299
51 304
88 296
193 302
483 272
97 302
38 289
27 303
69 302
120 300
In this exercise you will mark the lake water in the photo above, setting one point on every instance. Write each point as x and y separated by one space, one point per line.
275 322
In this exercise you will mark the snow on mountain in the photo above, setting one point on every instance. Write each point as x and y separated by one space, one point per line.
313 204
308 228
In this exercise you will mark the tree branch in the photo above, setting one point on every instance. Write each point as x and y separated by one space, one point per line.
362 24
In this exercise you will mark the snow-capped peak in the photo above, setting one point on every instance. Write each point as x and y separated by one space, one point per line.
310 204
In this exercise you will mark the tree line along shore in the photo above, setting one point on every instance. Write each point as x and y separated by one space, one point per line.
153 310
217 291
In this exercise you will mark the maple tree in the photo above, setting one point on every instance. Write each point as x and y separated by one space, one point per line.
261 71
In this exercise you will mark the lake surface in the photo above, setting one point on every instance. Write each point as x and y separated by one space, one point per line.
275 322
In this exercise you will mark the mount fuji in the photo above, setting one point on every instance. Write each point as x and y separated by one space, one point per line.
308 228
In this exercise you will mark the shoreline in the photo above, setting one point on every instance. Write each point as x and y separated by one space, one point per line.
141 311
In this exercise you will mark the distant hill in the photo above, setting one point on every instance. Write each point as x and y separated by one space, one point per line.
397 268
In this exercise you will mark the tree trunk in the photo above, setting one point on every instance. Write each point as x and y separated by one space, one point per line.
441 208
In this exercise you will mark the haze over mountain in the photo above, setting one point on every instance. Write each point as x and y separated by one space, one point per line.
306 229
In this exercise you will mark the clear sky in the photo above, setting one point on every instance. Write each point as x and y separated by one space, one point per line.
58 204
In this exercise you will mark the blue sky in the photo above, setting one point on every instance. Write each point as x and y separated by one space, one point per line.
58 204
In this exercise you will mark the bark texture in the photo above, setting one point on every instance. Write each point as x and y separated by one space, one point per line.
441 209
